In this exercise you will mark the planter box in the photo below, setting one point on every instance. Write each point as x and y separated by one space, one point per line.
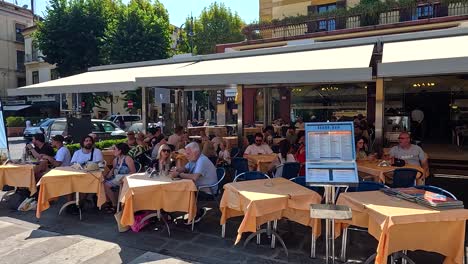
15 131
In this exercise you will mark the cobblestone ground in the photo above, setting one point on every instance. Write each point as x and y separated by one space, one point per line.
95 239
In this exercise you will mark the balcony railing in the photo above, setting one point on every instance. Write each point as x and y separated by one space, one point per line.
33 57
316 23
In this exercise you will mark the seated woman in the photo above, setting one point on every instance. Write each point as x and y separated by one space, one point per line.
361 149
163 161
284 156
224 155
301 152
121 166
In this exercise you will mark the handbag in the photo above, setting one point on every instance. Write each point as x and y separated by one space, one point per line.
28 204
138 225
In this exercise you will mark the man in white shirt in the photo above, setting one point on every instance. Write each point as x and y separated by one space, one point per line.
62 157
259 147
87 152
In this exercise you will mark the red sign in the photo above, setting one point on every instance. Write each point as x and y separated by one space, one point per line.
130 104
83 104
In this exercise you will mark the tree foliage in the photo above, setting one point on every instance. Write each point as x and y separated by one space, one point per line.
140 31
216 24
78 34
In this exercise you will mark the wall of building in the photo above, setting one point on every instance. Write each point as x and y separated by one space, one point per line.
9 16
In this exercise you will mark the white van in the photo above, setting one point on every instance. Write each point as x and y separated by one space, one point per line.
128 120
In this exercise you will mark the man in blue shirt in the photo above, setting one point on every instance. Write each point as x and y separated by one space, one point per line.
200 170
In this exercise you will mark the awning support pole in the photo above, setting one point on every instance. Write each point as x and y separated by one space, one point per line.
144 108
240 116
379 113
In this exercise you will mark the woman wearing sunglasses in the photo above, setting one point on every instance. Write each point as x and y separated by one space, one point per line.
163 161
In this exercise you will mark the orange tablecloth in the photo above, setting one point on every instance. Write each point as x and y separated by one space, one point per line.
195 131
252 130
108 156
66 180
371 168
261 162
232 141
142 193
212 130
260 203
402 225
18 176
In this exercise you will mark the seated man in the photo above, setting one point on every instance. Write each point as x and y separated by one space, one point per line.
87 152
38 151
40 147
62 157
259 147
199 169
411 154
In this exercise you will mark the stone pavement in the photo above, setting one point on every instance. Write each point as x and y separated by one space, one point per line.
97 236
23 242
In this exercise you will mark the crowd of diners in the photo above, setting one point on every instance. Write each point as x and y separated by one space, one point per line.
156 150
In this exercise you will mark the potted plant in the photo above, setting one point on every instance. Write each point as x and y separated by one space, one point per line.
15 126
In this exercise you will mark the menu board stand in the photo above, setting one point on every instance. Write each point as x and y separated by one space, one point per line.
330 163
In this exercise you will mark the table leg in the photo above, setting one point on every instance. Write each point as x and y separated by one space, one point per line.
76 201
223 230
344 244
269 232
158 215
312 245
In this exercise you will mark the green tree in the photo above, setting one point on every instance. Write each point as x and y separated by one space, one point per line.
73 33
216 24
139 31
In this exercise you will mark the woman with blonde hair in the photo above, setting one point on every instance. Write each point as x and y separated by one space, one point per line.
163 161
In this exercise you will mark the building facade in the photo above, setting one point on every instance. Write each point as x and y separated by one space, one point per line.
13 20
390 101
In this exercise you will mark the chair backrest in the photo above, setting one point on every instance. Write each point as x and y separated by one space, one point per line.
251 175
220 173
290 170
234 152
301 180
366 186
404 177
437 190
240 165
137 166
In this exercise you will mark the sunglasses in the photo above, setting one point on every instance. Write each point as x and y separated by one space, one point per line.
258 140
166 150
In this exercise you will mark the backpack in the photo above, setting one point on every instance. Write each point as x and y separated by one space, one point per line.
14 200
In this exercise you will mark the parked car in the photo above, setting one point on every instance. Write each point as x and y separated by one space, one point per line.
138 127
30 131
102 128
128 120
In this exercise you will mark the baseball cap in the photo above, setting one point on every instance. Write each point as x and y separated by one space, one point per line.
58 138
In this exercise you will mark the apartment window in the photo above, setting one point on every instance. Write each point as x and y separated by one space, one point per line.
21 82
19 32
35 77
54 74
20 60
329 24
424 11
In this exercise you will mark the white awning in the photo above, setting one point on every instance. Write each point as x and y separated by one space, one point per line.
15 107
94 81
425 57
346 64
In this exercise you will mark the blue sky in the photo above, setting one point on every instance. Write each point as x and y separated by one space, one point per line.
180 9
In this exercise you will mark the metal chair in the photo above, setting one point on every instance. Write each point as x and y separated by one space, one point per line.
404 177
251 175
234 152
436 189
289 169
240 165
362 187
220 173
138 166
